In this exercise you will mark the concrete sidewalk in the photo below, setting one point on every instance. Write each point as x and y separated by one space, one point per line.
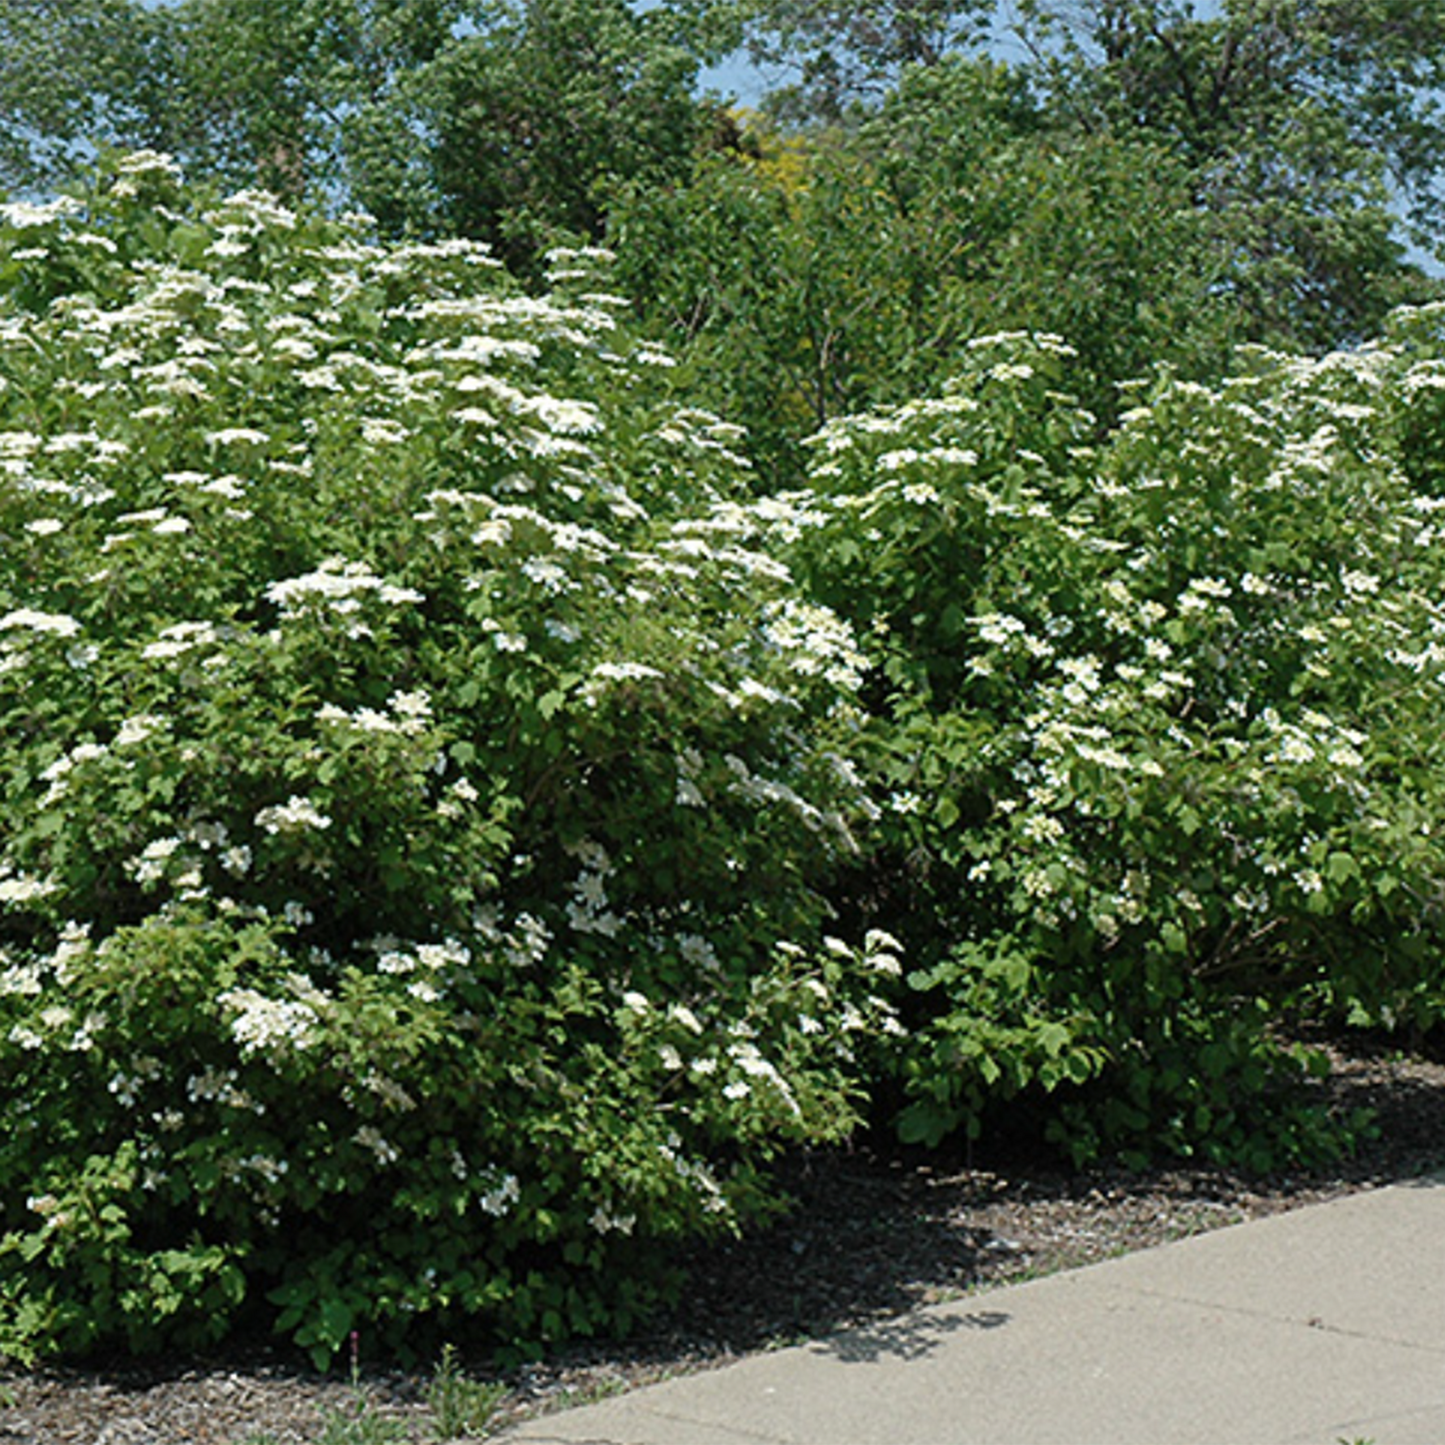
1308 1328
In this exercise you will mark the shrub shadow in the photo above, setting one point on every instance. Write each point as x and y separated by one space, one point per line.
910 1337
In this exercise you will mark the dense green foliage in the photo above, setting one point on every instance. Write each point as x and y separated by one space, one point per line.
1296 131
502 120
1159 721
536 119
417 790
836 57
1301 125
74 76
479 709
810 278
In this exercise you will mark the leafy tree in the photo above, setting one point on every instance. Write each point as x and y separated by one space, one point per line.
823 273
247 91
299 96
1304 128
1306 132
1086 236
841 55
504 121
531 121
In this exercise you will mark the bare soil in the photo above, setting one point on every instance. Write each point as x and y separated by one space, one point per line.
874 1234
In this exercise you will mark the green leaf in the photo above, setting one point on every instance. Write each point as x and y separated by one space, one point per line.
1341 868
924 1122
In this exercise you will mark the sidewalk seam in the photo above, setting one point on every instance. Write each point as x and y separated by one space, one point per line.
1317 1324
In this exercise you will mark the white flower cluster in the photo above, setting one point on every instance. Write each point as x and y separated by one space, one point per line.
26 215
757 788
696 1175
427 967
57 624
371 1138
524 946
815 642
410 714
605 1221
588 910
18 887
261 1025
604 674
58 773
296 814
221 1086
180 638
499 1200
1314 737
338 585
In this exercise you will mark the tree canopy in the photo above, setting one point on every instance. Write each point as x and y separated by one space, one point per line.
532 121
1305 140
1307 131
437 116
76 74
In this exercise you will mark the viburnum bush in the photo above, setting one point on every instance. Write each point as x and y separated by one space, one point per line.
1155 729
417 791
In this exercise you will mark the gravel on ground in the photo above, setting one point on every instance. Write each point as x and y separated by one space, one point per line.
875 1232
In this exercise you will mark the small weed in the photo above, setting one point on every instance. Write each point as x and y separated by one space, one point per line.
461 1407
360 1424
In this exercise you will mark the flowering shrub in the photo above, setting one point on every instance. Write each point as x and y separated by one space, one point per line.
1156 727
417 788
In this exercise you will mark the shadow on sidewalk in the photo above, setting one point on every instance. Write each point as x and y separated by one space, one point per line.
909 1338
